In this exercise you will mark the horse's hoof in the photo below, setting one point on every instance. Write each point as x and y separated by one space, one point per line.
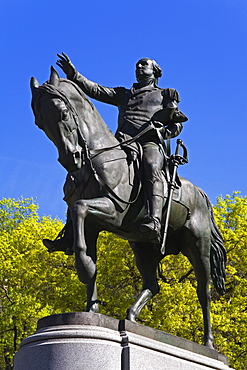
92 307
130 315
209 344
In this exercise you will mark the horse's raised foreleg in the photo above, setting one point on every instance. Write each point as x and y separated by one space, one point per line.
97 209
147 260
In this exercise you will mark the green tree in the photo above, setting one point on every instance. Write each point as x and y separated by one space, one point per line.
230 311
35 283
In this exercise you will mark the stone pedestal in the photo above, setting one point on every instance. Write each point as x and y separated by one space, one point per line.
86 341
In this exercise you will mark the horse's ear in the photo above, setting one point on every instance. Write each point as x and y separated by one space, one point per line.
34 84
54 77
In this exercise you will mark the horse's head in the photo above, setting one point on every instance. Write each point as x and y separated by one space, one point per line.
54 106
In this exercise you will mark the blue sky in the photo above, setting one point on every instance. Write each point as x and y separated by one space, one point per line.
200 45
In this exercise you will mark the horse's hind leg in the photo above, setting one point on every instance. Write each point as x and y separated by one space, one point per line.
202 275
200 259
147 260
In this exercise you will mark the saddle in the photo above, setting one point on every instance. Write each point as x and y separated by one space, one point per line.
133 149
76 182
134 153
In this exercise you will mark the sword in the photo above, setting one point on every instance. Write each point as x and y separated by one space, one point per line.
177 160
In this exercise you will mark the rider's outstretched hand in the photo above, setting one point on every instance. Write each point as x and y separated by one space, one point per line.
65 64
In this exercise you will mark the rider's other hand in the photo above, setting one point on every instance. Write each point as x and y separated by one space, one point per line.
65 64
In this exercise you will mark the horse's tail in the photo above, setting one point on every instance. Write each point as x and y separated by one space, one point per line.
217 252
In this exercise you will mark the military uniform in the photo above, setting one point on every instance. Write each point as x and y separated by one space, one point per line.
136 106
144 103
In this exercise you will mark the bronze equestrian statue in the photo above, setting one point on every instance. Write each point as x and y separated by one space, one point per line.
111 186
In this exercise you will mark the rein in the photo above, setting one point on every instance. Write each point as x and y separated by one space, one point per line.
124 142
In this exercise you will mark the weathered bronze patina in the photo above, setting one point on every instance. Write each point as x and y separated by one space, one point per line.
112 187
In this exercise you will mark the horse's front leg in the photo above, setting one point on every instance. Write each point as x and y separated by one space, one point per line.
91 236
98 209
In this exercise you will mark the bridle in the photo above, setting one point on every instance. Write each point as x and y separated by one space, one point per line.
53 91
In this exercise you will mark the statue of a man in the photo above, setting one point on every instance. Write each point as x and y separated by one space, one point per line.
144 104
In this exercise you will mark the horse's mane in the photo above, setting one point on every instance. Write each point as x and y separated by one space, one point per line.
49 88
79 90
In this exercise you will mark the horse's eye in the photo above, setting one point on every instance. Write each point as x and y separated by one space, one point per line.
65 114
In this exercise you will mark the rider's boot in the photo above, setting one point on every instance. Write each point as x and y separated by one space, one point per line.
151 226
153 161
63 242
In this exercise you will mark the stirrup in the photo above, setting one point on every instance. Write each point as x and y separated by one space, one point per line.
151 228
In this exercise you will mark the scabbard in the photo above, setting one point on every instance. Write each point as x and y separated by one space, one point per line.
171 187
168 211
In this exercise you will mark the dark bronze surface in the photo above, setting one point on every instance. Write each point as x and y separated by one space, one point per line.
111 188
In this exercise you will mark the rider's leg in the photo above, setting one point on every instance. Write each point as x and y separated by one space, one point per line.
64 240
153 164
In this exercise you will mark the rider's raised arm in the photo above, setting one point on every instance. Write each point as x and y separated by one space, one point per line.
90 88
66 65
94 90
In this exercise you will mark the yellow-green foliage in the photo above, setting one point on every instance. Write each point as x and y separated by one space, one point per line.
35 283
229 313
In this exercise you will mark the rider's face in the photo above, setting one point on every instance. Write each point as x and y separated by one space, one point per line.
144 69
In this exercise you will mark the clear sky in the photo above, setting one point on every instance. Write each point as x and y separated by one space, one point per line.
200 45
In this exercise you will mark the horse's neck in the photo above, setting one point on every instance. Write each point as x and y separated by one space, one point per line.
92 127
98 135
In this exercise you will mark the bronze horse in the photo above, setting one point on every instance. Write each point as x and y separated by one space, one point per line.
102 193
